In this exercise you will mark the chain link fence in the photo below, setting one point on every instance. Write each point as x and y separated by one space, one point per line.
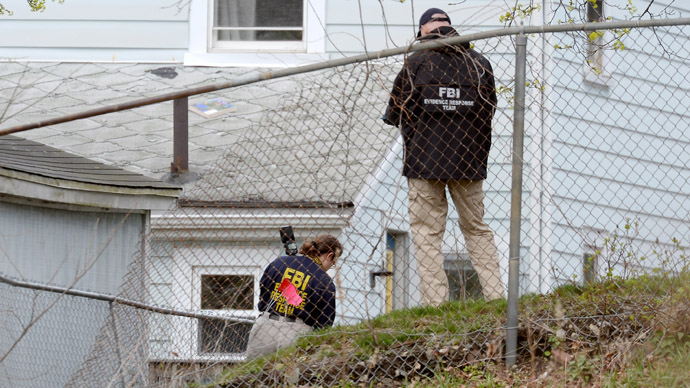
605 202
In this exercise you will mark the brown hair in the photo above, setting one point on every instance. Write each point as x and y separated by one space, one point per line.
323 243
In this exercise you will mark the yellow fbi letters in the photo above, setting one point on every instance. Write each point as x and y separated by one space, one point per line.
300 281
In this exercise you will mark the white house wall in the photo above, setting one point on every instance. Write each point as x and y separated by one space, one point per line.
356 26
230 241
380 208
159 30
101 31
620 149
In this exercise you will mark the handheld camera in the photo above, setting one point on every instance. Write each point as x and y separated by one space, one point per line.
287 237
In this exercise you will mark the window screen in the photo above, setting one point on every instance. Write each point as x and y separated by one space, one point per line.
225 292
258 20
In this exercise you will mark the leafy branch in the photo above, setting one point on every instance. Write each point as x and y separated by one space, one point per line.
36 6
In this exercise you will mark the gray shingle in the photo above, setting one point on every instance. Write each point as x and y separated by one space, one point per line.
312 137
31 157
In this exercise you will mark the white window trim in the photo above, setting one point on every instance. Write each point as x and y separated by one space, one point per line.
200 54
290 46
603 77
593 240
198 272
185 334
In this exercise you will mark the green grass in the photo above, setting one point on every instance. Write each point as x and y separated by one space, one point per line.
666 365
405 325
649 312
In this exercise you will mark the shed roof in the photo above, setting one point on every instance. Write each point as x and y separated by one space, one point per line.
31 157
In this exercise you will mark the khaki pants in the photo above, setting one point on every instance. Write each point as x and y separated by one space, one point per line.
269 335
428 209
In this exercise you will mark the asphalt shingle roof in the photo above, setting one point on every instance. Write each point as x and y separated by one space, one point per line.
28 156
308 138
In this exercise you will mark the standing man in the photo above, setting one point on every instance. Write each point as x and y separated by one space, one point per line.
443 101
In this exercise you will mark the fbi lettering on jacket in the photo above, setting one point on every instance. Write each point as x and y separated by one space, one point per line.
449 99
300 280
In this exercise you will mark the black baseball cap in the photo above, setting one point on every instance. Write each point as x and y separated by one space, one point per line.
427 15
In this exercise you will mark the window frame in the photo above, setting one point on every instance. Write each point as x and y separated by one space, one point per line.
198 272
469 285
243 46
590 265
596 55
311 49
593 241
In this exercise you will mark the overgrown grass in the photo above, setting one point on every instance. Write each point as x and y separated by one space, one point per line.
663 361
618 332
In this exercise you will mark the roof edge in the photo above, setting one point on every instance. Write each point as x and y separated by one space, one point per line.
84 186
52 190
263 204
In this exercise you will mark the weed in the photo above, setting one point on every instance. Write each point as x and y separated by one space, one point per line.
582 368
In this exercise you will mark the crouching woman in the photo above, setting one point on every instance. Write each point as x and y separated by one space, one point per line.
296 296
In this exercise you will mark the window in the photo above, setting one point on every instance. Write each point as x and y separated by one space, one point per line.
595 38
225 293
592 242
462 278
589 267
256 33
251 24
595 11
594 71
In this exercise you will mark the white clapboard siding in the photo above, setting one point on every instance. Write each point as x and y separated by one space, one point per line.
384 25
619 150
82 30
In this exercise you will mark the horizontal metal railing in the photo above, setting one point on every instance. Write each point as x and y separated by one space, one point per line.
117 300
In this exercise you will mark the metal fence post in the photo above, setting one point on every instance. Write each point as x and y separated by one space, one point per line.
516 200
179 168
180 162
